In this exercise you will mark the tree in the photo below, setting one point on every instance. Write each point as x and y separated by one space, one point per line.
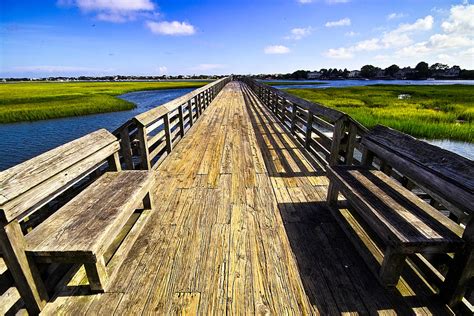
300 74
392 70
422 70
368 71
439 66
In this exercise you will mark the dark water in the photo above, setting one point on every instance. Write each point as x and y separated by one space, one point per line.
22 141
306 84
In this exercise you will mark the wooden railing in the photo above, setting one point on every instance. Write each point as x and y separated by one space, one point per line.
150 136
330 135
334 138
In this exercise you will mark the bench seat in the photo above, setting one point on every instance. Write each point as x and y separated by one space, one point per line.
400 218
83 228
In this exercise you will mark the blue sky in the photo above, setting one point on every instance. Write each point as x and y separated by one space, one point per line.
106 37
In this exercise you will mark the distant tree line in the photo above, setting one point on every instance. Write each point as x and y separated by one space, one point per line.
421 71
117 78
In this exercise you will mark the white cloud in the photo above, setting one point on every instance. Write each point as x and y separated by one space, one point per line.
424 24
299 33
171 28
305 1
342 22
449 41
351 34
112 10
461 20
208 67
394 16
339 53
276 49
399 37
367 45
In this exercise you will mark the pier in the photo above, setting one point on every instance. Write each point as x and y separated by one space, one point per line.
238 219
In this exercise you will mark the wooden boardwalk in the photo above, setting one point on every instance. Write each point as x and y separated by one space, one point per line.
240 226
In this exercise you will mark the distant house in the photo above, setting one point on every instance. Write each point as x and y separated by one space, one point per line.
354 74
314 75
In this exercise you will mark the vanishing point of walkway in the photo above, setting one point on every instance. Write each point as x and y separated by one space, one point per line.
240 227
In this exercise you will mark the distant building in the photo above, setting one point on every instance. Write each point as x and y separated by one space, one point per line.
354 74
314 75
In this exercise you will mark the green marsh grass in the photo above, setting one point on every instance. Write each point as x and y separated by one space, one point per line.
432 112
46 100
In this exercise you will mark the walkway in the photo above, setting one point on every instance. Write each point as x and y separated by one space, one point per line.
240 227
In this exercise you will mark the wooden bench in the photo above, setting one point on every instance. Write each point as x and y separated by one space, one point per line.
400 219
81 231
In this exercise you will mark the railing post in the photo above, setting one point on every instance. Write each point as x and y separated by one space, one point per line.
337 137
190 110
126 148
145 163
309 130
293 118
181 120
349 157
169 141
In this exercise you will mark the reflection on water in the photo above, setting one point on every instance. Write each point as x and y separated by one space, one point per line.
22 141
460 148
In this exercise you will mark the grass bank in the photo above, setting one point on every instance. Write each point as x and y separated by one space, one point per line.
47 100
292 83
432 112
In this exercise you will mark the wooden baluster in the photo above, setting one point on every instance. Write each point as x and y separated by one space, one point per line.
294 112
337 136
181 120
169 141
349 158
190 111
126 148
145 163
309 130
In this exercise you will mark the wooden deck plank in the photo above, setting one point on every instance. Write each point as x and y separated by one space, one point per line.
240 226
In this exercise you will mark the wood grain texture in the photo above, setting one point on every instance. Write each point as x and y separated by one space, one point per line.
83 226
57 164
240 226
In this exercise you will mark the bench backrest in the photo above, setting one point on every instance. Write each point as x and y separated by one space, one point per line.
28 186
441 173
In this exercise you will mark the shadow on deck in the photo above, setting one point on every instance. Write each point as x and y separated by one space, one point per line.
334 275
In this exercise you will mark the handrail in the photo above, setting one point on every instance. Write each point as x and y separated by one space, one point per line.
150 136
315 108
330 135
147 117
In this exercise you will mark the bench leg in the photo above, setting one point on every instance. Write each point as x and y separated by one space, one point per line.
461 270
147 202
23 269
333 192
97 275
392 266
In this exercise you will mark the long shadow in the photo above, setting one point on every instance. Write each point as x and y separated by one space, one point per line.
334 275
274 132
